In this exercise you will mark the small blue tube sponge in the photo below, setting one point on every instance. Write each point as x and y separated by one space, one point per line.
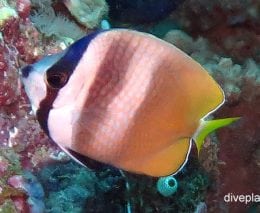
167 186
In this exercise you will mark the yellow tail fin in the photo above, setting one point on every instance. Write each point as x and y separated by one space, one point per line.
206 127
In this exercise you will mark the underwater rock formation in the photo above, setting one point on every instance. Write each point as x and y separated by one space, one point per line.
239 148
232 27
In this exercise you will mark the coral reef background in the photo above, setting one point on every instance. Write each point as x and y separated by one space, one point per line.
222 35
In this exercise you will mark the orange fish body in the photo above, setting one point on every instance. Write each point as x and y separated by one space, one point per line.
132 101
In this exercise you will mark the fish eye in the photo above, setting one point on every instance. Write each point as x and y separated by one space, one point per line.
56 80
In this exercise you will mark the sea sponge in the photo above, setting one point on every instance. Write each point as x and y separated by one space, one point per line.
167 186
88 12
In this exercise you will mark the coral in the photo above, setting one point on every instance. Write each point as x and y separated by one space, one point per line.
11 44
238 148
72 188
9 83
19 39
23 8
20 134
192 191
32 186
3 165
49 23
45 154
229 74
181 40
29 184
232 27
209 156
11 198
10 159
193 182
88 12
6 12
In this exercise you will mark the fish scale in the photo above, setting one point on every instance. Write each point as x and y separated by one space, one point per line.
135 81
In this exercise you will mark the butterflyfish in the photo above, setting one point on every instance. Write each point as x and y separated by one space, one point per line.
126 99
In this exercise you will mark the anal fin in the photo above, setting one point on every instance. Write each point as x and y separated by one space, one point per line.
168 161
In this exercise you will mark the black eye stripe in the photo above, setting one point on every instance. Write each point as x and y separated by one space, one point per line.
66 64
45 107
